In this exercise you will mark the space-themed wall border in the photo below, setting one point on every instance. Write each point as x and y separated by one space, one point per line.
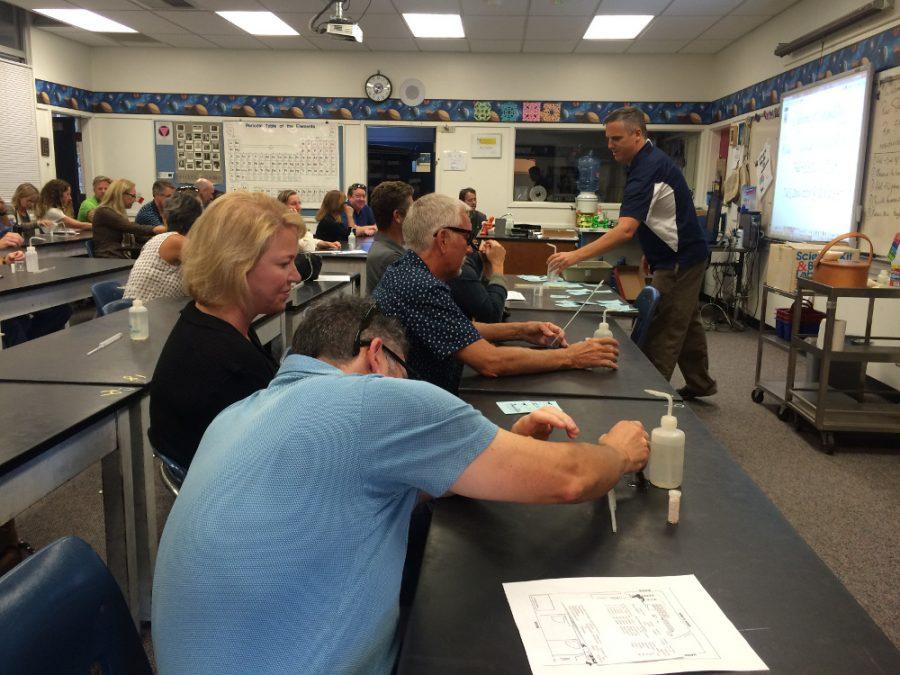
881 50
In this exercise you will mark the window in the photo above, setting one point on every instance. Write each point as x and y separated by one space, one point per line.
12 33
549 158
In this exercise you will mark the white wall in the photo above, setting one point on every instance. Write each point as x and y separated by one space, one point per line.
751 59
59 60
464 76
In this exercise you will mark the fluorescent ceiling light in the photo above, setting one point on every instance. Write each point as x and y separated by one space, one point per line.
258 23
435 25
617 26
82 18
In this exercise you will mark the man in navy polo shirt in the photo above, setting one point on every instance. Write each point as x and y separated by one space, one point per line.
357 208
658 207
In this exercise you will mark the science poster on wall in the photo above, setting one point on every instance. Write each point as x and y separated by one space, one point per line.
198 151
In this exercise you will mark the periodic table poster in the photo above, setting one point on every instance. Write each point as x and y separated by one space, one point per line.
274 156
198 152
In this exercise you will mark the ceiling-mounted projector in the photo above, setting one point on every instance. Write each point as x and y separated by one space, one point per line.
338 25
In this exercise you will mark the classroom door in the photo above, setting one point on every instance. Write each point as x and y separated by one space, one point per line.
66 142
401 153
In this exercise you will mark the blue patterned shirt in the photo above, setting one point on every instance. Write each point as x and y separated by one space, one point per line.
149 215
435 325
284 550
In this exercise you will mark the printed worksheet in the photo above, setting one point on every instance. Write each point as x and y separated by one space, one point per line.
637 625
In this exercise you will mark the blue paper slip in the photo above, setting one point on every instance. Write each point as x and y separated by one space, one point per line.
567 304
578 291
533 278
564 297
520 407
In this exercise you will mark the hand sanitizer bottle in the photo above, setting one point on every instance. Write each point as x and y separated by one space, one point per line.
666 466
31 259
139 321
351 241
603 330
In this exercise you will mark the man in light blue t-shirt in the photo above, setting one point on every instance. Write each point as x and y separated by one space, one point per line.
285 548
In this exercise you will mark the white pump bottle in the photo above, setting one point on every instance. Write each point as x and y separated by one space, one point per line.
666 466
603 330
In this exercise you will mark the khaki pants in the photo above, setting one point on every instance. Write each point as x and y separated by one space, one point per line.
676 334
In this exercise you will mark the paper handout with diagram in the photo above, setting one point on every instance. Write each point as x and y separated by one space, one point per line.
625 625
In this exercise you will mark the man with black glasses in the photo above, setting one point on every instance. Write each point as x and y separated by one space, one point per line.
439 234
316 477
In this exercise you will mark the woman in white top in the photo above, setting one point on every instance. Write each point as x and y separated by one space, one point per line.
54 206
157 271
307 243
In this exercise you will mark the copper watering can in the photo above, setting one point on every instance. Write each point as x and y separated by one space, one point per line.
842 273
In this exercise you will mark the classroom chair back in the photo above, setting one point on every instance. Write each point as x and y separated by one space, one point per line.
105 292
646 303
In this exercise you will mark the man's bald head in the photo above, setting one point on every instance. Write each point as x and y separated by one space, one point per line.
205 189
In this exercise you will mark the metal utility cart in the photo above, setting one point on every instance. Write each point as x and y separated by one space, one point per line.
826 407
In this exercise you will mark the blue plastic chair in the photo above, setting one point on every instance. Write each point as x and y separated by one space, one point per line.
646 303
171 472
115 306
105 292
63 612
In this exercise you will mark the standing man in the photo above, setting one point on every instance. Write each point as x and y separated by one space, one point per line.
357 208
468 196
152 212
101 184
657 205
390 202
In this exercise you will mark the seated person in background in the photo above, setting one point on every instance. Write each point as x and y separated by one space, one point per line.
112 227
438 233
331 227
21 211
206 190
100 186
237 263
468 196
480 289
54 206
357 212
284 550
43 322
390 202
307 243
157 271
153 212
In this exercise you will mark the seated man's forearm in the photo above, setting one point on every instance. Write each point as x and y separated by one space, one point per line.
521 361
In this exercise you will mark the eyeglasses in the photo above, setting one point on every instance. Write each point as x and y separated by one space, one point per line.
133 195
359 343
470 235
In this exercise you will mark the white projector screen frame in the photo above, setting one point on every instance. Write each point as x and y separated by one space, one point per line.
821 153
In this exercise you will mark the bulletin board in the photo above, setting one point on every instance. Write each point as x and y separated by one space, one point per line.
198 152
274 156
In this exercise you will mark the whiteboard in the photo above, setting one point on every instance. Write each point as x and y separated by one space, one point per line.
881 212
820 158
274 156
18 130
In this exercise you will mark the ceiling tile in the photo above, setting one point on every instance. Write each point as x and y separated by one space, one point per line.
701 7
632 6
330 44
733 27
42 4
384 26
202 23
495 46
185 41
550 27
236 41
763 7
83 36
656 46
145 22
494 27
677 27
428 6
391 44
227 5
705 46
299 22
550 46
98 5
285 42
567 8
443 44
603 46
494 7
125 42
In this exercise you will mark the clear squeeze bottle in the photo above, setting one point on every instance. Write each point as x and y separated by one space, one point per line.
666 466
139 321
351 241
603 330
31 259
